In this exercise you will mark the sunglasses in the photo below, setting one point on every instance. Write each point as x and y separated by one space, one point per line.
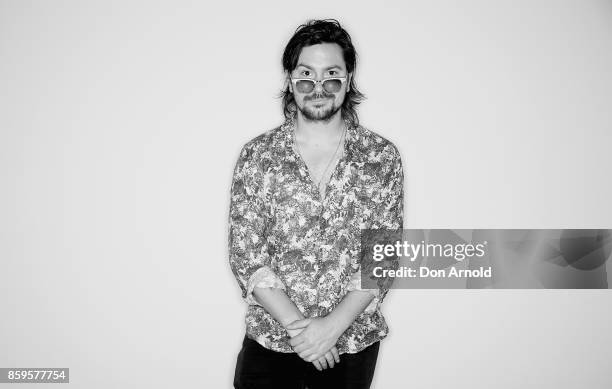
307 85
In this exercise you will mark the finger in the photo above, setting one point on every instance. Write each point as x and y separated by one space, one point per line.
297 340
313 356
308 355
336 354
329 358
317 365
301 347
323 362
298 324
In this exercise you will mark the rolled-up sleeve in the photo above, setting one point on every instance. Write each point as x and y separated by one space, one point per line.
248 222
387 213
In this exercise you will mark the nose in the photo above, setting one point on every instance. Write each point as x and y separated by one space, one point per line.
318 87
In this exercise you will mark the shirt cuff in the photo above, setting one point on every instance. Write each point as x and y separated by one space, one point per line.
355 284
264 277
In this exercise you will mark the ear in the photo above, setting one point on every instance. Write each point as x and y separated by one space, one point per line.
348 81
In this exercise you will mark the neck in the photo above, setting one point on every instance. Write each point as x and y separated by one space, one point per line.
320 129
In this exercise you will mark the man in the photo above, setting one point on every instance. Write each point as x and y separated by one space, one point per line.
300 195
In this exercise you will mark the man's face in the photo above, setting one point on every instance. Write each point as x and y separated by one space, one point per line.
319 62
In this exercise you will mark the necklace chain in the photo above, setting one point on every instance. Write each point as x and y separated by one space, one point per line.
331 159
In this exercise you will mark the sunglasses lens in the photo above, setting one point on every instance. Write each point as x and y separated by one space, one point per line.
304 86
332 86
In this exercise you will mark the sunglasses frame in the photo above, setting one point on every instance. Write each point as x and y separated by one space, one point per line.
294 81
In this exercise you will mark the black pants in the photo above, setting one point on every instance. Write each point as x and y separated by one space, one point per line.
257 367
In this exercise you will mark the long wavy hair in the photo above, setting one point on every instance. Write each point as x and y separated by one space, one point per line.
312 33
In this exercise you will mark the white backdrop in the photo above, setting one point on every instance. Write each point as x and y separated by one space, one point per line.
121 121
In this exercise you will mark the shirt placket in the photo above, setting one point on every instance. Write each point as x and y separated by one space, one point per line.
321 241
323 212
324 242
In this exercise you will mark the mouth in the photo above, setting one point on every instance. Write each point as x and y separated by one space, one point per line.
318 101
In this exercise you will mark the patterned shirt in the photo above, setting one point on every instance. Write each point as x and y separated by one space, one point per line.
283 233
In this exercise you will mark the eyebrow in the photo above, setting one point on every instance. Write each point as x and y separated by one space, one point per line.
328 68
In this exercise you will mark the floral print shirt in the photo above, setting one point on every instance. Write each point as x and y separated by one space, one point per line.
283 233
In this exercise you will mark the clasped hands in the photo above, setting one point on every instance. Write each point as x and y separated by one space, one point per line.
314 340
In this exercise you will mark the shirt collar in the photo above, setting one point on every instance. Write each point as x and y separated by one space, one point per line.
349 145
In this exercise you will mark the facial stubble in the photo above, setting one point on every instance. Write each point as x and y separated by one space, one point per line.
319 114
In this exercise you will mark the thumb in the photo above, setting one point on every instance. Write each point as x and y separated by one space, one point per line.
298 324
